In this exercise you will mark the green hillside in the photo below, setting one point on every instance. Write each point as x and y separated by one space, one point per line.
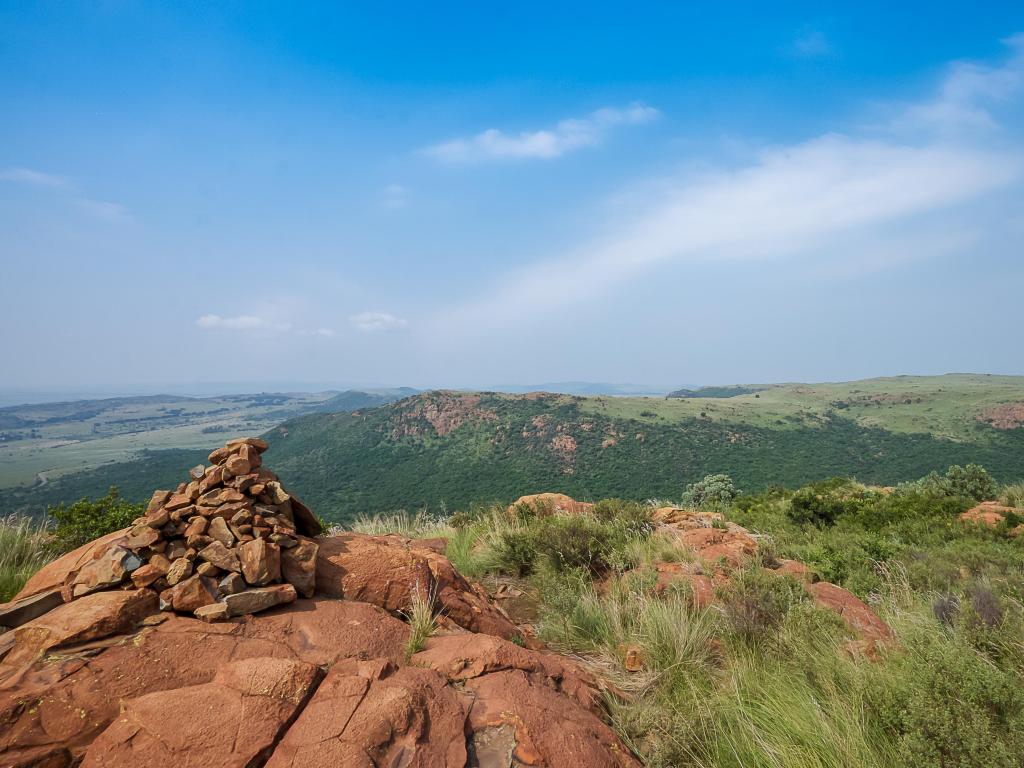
453 449
449 449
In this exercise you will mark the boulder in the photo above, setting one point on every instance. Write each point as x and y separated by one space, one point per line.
234 720
91 617
550 503
220 556
367 714
54 575
18 612
855 614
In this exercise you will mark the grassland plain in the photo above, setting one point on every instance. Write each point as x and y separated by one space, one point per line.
448 449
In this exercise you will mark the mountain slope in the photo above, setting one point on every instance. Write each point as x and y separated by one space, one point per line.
452 449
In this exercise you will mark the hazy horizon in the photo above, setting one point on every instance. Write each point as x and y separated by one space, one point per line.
193 195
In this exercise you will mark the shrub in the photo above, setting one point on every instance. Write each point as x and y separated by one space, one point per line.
971 482
756 602
713 492
945 705
86 520
1013 495
822 504
576 542
516 552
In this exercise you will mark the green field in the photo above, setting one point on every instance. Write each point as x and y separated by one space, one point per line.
40 444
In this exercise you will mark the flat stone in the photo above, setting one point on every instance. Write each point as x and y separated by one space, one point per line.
177 501
212 612
193 593
260 561
180 570
220 556
107 570
197 472
89 618
219 455
231 584
256 600
298 566
141 536
145 575
255 442
18 612
218 531
219 496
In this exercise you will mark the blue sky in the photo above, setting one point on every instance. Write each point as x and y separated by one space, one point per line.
464 195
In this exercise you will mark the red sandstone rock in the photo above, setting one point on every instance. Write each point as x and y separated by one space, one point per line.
89 618
857 616
701 586
54 575
194 592
298 566
256 600
368 714
988 513
551 503
233 720
260 561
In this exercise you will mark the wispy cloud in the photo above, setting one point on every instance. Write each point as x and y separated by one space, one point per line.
566 136
814 198
241 323
35 178
369 322
967 96
101 209
395 196
812 44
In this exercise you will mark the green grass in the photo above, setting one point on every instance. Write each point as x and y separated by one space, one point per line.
25 547
422 621
764 678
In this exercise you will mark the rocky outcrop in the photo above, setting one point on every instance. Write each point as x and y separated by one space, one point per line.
109 679
389 571
233 720
550 504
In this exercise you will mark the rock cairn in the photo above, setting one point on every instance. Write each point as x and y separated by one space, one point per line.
231 541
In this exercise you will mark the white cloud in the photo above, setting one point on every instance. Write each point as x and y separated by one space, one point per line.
838 197
395 196
566 136
99 208
967 96
240 323
35 178
103 209
812 44
368 322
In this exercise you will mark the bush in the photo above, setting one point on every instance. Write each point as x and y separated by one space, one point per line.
944 705
516 552
970 482
712 493
822 504
576 542
756 602
86 520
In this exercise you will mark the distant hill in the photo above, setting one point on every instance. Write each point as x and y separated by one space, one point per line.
449 449
728 391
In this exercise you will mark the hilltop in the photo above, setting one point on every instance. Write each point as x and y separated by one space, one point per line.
451 449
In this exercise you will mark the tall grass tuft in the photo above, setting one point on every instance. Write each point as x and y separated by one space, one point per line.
25 547
422 620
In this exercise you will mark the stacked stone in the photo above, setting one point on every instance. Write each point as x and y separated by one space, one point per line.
231 541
